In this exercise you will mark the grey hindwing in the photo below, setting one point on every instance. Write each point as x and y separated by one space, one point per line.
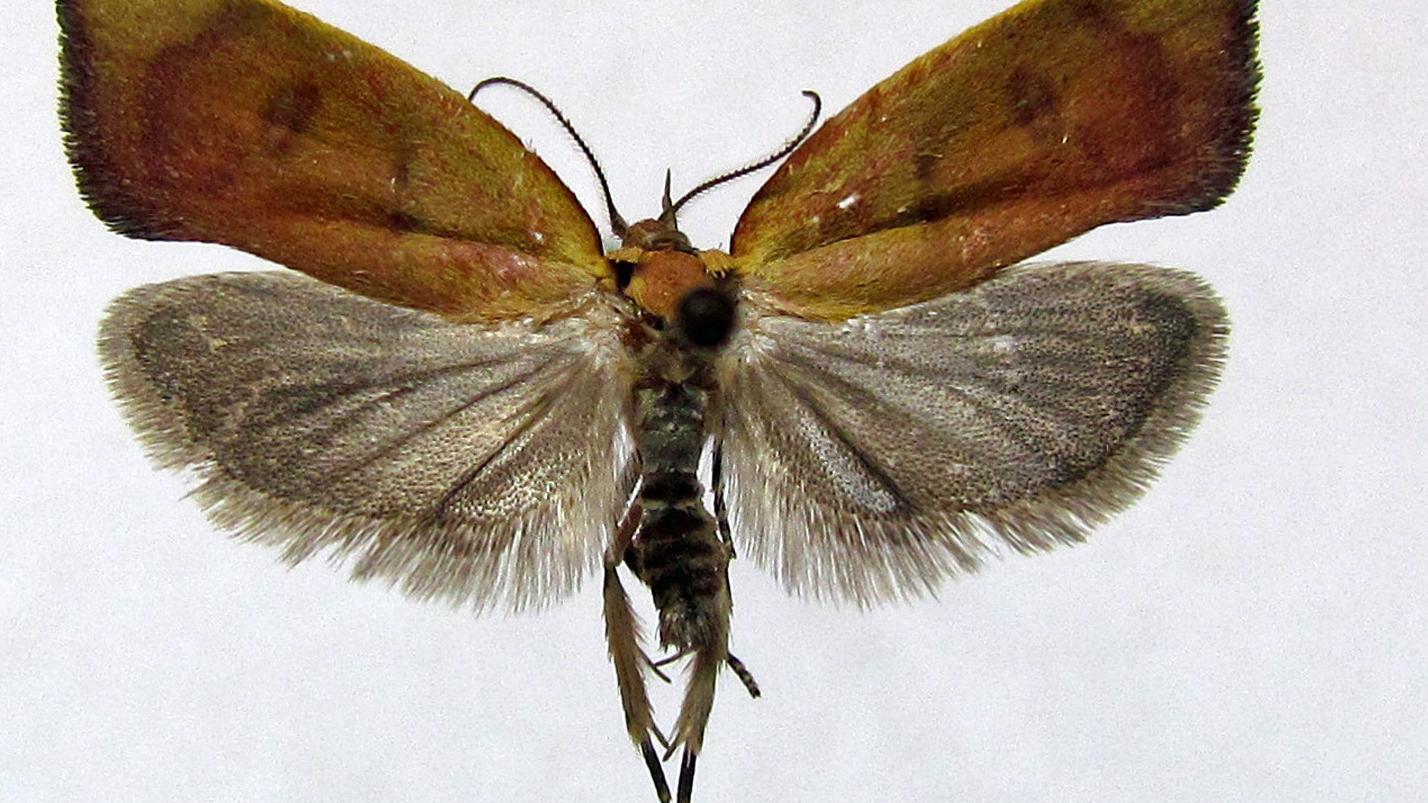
871 458
475 463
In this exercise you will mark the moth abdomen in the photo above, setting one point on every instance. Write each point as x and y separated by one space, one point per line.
670 488
681 556
677 550
683 562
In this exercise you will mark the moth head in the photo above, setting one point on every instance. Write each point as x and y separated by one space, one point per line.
655 235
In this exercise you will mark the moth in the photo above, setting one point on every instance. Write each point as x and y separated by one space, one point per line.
461 392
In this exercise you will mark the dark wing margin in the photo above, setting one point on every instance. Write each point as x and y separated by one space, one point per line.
480 465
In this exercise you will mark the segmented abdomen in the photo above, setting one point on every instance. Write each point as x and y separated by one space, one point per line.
677 551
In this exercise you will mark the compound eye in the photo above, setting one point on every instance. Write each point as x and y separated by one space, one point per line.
705 317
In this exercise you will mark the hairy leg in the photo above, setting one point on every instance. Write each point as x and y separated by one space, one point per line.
622 634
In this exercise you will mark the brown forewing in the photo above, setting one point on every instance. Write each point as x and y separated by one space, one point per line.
248 123
1048 120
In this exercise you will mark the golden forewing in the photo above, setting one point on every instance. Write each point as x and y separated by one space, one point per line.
474 463
249 123
1048 120
871 458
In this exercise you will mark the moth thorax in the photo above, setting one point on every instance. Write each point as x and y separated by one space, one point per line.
662 279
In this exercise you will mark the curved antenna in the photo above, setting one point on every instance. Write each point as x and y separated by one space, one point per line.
760 164
617 223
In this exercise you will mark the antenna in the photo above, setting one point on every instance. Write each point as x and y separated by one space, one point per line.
617 223
787 148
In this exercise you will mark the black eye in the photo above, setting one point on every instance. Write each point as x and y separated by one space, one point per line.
624 272
705 317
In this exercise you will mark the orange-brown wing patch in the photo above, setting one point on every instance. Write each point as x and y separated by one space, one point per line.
248 123
1053 118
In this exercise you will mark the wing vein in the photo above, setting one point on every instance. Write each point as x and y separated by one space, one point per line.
384 450
528 416
409 385
877 472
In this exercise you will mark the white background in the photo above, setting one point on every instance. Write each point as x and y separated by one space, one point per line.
1255 629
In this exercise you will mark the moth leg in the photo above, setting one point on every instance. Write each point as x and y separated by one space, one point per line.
694 714
652 763
698 699
657 667
666 661
745 677
698 703
686 775
622 635
619 552
720 511
720 515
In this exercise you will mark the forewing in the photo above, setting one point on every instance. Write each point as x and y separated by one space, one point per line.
248 123
1053 118
869 459
477 464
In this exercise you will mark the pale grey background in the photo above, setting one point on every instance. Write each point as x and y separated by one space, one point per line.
1254 630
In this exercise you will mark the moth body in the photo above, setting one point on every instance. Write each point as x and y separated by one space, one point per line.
677 547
